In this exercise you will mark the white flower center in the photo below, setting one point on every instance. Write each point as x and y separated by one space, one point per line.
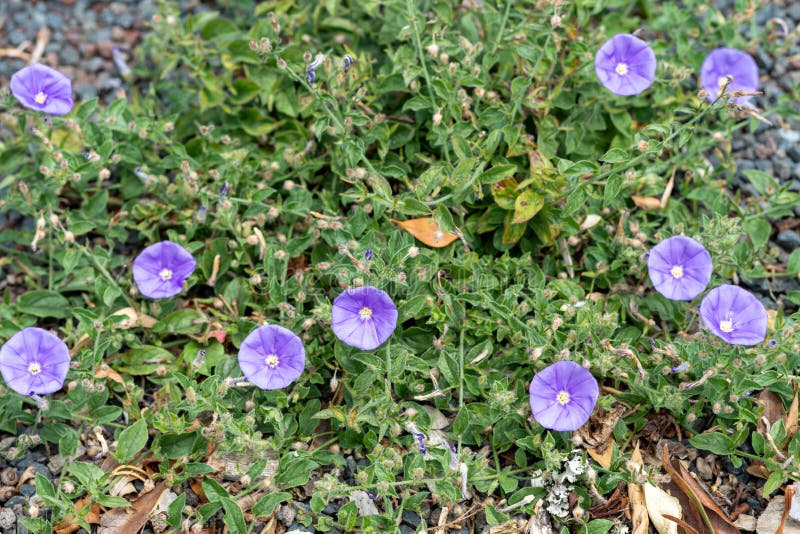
726 325
40 98
271 360
365 313
165 274
677 271
34 368
562 398
622 69
722 81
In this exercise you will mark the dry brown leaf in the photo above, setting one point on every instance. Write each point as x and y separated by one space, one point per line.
773 409
618 502
646 203
596 432
790 421
757 469
70 525
604 458
668 190
640 520
134 319
697 495
426 230
659 504
133 521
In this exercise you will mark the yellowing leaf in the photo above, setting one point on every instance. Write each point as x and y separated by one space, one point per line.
134 319
527 204
426 230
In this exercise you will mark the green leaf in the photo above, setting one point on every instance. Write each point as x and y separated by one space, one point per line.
44 488
793 263
773 482
493 517
716 442
616 155
43 303
765 184
295 472
612 189
759 231
213 490
497 173
268 503
233 518
527 204
132 440
599 526
218 27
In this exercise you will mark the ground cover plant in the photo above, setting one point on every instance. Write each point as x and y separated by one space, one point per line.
397 266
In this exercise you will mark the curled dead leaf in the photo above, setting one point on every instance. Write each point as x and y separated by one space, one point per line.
134 319
660 504
590 221
646 203
427 230
640 520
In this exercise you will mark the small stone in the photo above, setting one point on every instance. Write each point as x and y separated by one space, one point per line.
56 463
15 500
788 239
69 55
54 20
95 64
105 48
27 490
16 37
7 518
769 521
85 91
793 11
411 518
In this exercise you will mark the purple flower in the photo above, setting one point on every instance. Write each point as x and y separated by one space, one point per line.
34 362
160 269
363 317
625 65
368 254
43 88
724 62
272 357
563 396
735 315
679 268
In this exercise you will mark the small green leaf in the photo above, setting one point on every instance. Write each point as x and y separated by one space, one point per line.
132 440
233 518
716 442
616 155
773 482
612 189
43 303
599 526
268 503
497 173
759 231
218 27
213 490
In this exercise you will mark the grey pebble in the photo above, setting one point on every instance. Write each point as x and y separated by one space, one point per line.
405 529
297 527
788 239
85 91
793 11
16 37
54 20
101 34
69 55
286 514
15 500
94 64
27 490
411 518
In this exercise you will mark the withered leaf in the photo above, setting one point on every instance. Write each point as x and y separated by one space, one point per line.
427 230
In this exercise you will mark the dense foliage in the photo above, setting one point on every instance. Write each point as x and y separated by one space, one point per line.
286 188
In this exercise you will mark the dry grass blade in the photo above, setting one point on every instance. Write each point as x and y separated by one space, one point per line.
787 499
790 421
639 518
